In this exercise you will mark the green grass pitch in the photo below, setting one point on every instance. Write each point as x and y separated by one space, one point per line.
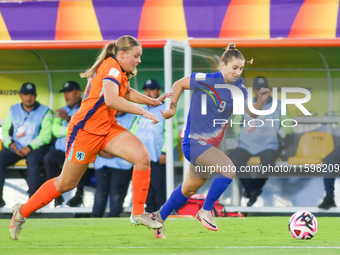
250 235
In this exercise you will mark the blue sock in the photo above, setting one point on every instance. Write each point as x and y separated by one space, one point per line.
175 201
218 185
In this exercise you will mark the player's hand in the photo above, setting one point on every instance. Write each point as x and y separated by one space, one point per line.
13 147
105 154
160 99
24 151
61 113
168 114
150 116
162 159
264 94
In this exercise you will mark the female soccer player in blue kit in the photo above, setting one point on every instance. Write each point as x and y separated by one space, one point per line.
202 136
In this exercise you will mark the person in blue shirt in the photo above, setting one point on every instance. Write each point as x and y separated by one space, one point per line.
55 157
26 134
153 136
262 141
211 104
113 175
332 161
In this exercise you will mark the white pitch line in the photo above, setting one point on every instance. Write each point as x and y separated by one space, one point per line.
183 247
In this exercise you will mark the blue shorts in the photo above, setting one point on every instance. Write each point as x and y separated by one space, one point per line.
192 148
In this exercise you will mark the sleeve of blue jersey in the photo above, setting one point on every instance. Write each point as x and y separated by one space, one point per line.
194 83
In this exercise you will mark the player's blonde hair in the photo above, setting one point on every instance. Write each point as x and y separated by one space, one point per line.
231 52
124 43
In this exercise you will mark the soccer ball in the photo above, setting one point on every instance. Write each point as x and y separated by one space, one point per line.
303 225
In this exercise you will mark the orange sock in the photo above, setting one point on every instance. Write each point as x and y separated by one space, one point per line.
43 196
140 187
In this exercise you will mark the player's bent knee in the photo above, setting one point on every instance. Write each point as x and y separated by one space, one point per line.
63 187
143 161
229 175
189 190
189 193
66 187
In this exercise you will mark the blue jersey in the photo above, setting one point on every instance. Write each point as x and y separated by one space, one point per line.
219 106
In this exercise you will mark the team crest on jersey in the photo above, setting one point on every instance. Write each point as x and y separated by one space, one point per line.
80 155
114 72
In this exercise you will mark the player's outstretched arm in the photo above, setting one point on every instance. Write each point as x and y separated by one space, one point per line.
150 116
177 89
136 97
114 101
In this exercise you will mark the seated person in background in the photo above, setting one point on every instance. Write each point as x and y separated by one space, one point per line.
26 133
331 161
260 141
153 137
54 159
113 175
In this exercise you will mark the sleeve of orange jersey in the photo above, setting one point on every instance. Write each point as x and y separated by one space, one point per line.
112 73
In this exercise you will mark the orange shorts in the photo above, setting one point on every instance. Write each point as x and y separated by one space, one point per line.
82 147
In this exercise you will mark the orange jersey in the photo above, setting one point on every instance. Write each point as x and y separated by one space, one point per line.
94 115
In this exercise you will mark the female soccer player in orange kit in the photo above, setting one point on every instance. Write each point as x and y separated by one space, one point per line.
95 128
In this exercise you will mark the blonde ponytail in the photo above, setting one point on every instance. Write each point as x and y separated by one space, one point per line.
107 51
124 43
250 61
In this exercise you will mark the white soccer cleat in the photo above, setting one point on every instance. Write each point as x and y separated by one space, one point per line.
206 219
17 221
144 220
159 233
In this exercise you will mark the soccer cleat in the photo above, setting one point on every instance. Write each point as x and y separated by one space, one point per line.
17 221
159 233
206 219
144 220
